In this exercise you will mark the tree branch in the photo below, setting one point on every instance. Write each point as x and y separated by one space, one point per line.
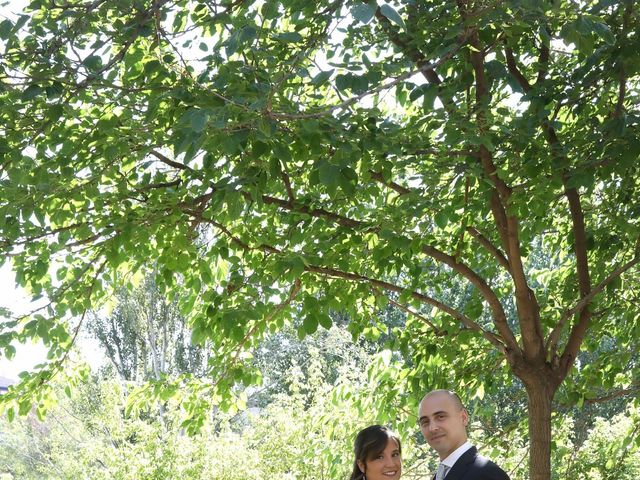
622 78
490 247
622 90
412 52
582 268
420 317
466 321
287 183
385 286
512 66
314 212
377 176
543 60
171 163
582 304
350 101
526 303
499 316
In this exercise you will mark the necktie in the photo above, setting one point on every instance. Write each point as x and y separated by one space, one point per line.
442 471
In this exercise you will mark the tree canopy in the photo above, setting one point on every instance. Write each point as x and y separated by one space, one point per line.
279 160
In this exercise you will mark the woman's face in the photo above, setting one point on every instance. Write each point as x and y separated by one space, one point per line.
386 466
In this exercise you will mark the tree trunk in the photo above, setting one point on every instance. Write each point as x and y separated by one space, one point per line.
540 394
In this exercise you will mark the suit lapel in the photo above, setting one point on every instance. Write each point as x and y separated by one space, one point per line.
459 469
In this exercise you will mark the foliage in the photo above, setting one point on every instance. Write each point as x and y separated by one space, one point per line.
304 435
285 159
283 357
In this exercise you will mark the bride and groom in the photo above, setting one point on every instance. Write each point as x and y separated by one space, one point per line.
443 422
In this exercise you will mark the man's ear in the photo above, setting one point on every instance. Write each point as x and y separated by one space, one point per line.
361 466
465 417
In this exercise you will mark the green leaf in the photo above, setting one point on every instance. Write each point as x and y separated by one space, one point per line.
232 44
322 77
325 320
604 32
310 323
5 29
248 34
24 407
297 266
473 308
22 19
393 16
198 120
270 9
441 219
301 332
329 175
480 392
343 81
289 37
363 12
93 62
31 92
9 352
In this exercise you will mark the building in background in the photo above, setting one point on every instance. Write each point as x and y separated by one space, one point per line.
5 383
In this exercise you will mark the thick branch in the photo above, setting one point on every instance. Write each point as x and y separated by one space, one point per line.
526 303
620 393
314 212
287 183
466 321
543 60
584 282
554 336
515 71
499 316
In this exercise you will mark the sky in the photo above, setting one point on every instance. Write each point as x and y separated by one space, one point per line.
30 354
17 301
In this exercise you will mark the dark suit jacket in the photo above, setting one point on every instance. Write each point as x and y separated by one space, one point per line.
471 466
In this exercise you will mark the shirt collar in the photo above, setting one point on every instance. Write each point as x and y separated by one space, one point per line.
456 454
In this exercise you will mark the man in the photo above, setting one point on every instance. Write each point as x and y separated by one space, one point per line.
443 421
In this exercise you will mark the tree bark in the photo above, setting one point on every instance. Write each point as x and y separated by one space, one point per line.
540 392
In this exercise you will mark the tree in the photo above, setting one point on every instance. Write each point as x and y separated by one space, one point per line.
146 337
337 155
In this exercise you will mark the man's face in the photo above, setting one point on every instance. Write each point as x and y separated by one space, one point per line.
443 423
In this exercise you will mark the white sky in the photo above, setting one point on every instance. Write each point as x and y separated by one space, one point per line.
18 302
30 354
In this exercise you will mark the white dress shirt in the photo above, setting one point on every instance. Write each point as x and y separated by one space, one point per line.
456 454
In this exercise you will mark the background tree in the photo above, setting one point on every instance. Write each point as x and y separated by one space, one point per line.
146 337
336 155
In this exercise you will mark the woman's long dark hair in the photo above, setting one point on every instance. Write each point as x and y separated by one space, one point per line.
369 443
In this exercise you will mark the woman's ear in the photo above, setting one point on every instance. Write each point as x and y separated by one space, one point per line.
361 466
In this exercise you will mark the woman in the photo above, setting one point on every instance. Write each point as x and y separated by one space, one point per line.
378 455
